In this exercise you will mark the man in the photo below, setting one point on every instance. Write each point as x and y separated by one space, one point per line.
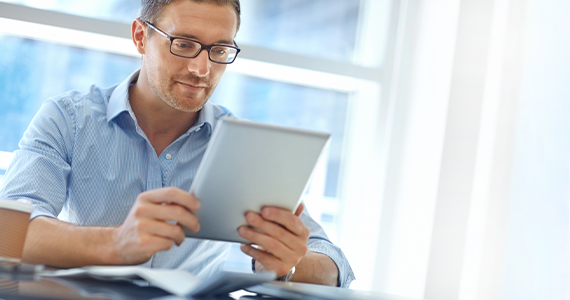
115 164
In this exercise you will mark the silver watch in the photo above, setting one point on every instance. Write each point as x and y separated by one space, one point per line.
287 277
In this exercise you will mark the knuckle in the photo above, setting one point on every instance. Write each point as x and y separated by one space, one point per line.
255 221
298 223
144 242
142 196
141 226
179 212
280 234
195 203
304 249
165 245
271 244
306 233
140 210
169 192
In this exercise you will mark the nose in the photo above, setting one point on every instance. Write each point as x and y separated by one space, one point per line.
200 65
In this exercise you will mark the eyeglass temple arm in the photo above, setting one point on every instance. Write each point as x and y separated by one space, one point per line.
158 30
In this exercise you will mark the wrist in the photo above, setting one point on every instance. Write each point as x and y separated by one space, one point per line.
285 278
106 251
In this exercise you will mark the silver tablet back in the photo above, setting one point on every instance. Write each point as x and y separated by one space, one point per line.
250 165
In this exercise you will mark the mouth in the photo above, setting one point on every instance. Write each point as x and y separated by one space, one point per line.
195 86
191 88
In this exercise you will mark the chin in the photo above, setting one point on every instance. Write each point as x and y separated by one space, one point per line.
193 108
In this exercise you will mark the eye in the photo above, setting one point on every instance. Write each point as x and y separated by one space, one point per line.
219 51
182 45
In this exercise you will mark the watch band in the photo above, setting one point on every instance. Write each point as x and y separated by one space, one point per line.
285 278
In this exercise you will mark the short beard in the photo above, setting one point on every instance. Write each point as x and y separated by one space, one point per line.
170 100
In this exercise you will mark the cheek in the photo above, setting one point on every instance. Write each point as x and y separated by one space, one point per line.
159 62
216 73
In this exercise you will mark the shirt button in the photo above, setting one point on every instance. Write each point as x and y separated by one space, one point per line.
168 156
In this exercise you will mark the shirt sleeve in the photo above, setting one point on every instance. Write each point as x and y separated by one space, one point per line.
320 243
40 169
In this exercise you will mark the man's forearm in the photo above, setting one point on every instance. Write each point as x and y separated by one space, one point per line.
316 268
59 244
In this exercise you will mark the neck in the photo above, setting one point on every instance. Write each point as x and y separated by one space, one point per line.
161 123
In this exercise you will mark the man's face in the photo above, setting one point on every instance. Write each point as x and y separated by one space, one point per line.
186 84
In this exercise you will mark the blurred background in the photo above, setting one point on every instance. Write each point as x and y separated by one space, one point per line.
447 176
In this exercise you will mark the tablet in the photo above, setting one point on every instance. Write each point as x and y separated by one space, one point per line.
247 166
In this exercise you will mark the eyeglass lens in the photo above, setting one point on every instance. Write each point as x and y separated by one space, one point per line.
189 48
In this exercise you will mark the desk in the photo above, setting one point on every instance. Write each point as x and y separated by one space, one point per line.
17 287
43 288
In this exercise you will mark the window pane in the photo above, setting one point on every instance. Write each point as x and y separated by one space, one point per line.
320 28
31 71
114 10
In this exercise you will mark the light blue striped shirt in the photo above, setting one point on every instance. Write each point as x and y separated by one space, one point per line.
84 160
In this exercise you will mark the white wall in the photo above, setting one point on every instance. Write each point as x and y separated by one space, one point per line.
475 204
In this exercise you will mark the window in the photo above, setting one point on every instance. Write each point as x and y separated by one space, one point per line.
322 74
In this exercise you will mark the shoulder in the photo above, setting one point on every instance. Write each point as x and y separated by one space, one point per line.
94 94
80 107
82 101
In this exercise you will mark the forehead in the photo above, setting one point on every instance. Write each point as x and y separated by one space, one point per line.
207 22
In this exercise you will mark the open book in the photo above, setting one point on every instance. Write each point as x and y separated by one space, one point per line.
177 282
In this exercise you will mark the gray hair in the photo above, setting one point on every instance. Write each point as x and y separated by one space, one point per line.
151 10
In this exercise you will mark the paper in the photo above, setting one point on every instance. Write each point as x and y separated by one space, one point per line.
177 282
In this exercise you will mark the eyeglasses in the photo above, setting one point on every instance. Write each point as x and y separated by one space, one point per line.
182 47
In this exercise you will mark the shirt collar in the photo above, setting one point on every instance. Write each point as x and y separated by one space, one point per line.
119 102
205 116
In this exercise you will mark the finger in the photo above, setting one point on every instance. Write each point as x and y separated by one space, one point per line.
171 195
269 261
151 244
162 229
287 219
300 209
169 212
281 234
270 244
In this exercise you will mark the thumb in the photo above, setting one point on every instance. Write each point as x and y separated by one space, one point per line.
300 209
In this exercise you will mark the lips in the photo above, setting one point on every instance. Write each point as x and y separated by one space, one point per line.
193 85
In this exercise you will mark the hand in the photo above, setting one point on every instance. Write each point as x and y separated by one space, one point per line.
282 240
146 230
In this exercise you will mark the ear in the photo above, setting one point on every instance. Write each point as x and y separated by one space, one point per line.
138 33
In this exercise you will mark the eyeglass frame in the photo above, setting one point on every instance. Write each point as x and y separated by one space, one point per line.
202 46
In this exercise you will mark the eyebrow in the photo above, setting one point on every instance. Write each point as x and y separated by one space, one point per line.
187 36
